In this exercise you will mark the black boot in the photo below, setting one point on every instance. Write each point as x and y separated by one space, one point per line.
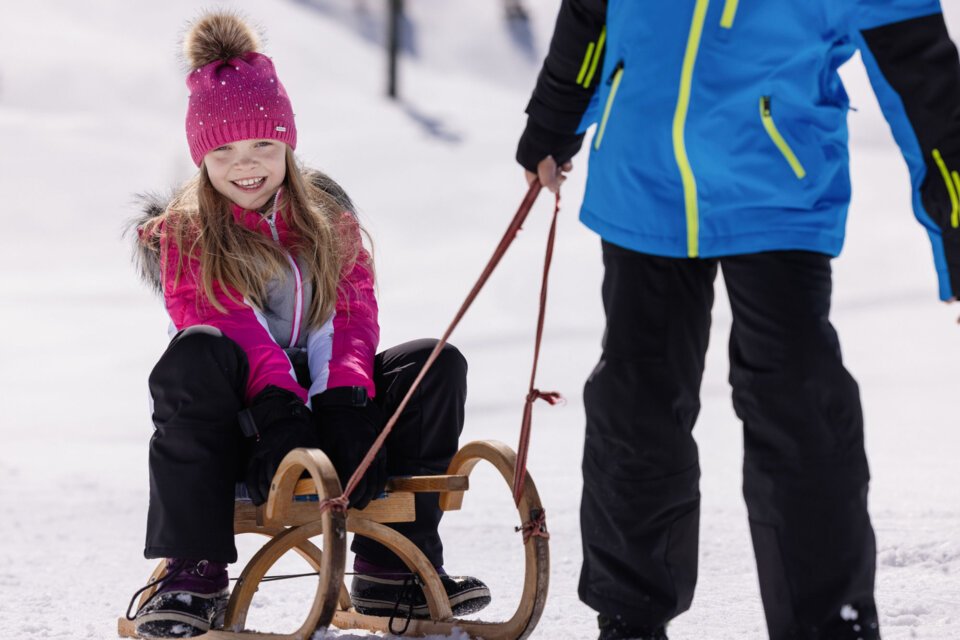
857 622
380 591
611 629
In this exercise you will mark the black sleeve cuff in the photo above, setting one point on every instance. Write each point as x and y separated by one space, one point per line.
341 396
538 142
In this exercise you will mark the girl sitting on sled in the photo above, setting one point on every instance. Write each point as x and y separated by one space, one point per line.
270 291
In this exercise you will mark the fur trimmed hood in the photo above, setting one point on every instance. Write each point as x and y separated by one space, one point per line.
146 255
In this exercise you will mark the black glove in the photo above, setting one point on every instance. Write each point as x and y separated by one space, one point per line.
280 422
348 423
537 142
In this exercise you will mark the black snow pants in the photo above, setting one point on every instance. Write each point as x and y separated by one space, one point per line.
198 453
805 472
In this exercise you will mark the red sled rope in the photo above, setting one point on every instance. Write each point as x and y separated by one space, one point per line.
533 394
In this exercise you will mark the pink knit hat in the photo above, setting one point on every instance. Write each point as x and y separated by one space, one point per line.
235 93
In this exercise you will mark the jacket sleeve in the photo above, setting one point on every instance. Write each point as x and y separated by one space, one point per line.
341 352
915 73
566 86
242 323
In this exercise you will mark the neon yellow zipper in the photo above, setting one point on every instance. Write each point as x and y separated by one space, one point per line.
586 62
679 123
614 85
729 12
590 60
955 215
953 188
778 140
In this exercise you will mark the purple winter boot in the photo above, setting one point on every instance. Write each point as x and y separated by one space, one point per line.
191 599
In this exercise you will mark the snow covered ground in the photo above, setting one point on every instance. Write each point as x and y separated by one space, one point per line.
91 108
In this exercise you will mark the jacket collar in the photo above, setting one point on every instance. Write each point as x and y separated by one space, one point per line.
257 221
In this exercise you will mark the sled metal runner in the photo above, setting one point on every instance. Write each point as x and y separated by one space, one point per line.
292 525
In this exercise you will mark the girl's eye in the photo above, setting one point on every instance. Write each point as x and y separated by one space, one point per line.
264 143
223 148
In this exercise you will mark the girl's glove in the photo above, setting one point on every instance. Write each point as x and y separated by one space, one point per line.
280 422
348 423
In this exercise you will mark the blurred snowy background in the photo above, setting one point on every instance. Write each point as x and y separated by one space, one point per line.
91 111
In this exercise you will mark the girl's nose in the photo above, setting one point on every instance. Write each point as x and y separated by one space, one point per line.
245 160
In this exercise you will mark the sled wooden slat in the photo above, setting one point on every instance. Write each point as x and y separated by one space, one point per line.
393 507
411 484
291 524
429 484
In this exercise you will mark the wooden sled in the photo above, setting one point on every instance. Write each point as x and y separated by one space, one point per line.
291 525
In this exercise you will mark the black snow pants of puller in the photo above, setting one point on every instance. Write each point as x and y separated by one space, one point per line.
804 471
198 453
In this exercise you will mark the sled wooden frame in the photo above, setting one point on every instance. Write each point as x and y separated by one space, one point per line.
290 525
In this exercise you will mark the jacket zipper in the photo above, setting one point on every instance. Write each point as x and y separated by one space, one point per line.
614 83
952 180
679 124
297 276
298 305
271 217
778 140
272 223
729 13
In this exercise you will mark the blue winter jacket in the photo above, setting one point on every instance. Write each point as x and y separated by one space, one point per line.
721 124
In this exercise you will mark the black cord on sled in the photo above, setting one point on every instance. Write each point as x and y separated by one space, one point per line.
290 576
412 579
156 583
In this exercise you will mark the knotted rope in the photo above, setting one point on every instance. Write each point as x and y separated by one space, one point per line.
535 527
534 394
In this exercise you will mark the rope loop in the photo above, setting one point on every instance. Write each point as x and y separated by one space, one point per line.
551 397
337 505
535 527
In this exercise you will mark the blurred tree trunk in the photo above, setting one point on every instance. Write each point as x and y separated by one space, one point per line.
515 10
393 45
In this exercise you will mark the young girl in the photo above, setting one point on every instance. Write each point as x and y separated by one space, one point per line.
270 291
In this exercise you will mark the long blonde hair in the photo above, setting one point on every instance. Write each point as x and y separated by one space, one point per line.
325 237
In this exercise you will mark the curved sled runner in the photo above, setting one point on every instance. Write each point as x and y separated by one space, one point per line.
290 524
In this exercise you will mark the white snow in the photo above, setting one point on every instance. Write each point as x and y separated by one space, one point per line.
91 111
847 612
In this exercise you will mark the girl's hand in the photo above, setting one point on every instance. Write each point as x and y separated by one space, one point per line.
347 432
281 423
551 176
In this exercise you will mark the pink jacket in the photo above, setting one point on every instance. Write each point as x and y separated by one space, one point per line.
340 353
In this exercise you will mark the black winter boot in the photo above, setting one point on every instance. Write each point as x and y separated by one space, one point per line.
618 630
379 591
857 622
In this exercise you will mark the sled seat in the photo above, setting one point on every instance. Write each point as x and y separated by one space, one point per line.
396 504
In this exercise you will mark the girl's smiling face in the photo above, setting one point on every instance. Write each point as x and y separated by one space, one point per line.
247 172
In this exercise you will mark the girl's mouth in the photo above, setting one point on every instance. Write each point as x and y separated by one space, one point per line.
249 184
